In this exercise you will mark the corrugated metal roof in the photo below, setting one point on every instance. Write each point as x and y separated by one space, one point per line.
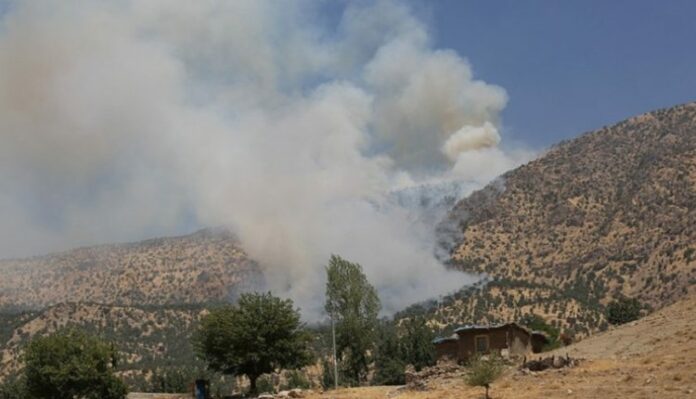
471 327
453 337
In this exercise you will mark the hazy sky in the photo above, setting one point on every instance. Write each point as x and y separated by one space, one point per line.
573 66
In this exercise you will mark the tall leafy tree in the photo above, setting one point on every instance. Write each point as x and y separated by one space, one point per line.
71 364
260 334
353 304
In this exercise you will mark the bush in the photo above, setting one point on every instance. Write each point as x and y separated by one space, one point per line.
623 310
173 380
417 343
72 364
327 375
484 371
537 323
389 363
14 389
264 384
296 379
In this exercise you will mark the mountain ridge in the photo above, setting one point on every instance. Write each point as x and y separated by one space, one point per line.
208 265
609 214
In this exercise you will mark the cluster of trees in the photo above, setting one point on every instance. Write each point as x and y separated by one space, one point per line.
258 335
67 365
262 334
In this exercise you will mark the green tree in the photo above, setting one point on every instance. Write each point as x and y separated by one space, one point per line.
484 371
260 334
327 375
537 323
173 379
389 363
71 364
353 304
623 310
13 389
417 343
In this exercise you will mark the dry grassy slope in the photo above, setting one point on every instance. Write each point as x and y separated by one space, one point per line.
611 212
201 267
147 338
654 357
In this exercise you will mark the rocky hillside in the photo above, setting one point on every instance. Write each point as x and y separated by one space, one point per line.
206 266
150 340
610 213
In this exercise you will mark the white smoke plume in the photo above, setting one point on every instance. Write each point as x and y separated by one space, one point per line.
122 119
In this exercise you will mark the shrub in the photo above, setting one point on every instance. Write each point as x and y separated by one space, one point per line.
537 323
264 384
14 389
623 310
327 375
296 379
484 371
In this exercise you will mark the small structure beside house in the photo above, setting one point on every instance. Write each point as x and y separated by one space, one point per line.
505 339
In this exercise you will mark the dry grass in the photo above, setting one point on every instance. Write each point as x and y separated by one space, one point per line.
652 358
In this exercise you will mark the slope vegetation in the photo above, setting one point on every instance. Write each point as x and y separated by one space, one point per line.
149 339
610 213
206 266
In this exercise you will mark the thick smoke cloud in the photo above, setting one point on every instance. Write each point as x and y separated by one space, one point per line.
127 119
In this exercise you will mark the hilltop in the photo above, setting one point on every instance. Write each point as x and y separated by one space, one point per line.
611 213
207 266
612 210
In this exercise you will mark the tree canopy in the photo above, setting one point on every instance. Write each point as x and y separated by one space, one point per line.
260 334
353 304
71 364
623 310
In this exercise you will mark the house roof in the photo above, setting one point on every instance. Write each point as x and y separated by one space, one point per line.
474 327
440 340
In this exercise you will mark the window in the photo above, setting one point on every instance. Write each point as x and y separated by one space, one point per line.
481 343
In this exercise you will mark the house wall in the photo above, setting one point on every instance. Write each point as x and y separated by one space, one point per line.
446 349
520 342
497 340
516 340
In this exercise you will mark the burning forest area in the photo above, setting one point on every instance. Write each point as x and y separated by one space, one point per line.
347 199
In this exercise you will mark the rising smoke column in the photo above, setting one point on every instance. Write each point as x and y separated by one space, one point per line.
126 119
